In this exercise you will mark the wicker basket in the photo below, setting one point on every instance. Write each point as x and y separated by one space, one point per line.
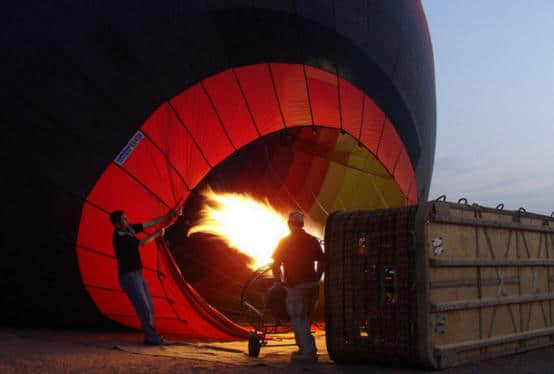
438 284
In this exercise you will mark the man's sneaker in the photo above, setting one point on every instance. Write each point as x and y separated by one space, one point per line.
160 341
297 353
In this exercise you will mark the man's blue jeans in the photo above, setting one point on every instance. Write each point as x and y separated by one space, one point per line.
301 300
136 289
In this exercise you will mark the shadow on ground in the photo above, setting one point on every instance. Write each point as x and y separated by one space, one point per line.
93 352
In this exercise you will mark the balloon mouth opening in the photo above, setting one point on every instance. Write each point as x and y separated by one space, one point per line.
253 131
284 172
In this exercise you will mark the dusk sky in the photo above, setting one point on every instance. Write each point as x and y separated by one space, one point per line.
494 68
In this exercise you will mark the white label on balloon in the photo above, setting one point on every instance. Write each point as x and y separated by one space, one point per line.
129 148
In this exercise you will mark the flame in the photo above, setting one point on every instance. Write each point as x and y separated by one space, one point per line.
244 223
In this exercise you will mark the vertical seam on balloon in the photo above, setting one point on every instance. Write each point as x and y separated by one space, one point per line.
166 158
362 117
142 185
87 201
319 203
381 136
413 185
217 115
339 99
407 194
188 132
308 95
158 275
280 179
246 103
276 94
170 179
398 157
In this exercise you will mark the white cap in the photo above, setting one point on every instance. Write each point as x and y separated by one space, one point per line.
296 217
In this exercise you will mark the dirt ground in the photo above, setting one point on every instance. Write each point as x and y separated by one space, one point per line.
44 351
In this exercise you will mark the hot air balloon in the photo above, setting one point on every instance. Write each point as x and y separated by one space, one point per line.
315 106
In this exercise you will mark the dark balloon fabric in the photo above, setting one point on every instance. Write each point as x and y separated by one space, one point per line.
135 107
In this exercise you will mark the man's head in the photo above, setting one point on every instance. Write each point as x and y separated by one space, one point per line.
296 220
119 219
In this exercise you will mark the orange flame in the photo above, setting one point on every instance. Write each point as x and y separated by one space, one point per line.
250 226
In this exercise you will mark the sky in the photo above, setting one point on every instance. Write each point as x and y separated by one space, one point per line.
494 71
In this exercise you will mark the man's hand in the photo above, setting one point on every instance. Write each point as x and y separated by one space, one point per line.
178 212
156 221
276 270
156 234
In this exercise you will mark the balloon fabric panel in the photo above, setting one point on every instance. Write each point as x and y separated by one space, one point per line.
98 270
117 190
389 147
151 167
99 239
323 90
257 84
290 84
166 130
197 113
351 102
231 107
404 172
373 120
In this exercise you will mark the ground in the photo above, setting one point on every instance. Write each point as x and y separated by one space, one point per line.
44 351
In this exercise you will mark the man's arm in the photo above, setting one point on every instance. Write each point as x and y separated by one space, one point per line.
156 221
320 268
277 261
276 269
320 261
156 234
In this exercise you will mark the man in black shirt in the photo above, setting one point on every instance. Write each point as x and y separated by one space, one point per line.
298 253
126 246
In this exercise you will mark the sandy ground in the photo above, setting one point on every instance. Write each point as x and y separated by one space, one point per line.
43 351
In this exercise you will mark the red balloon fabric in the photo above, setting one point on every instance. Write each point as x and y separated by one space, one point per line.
187 136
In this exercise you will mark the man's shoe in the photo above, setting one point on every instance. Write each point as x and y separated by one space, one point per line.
155 342
297 353
304 358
